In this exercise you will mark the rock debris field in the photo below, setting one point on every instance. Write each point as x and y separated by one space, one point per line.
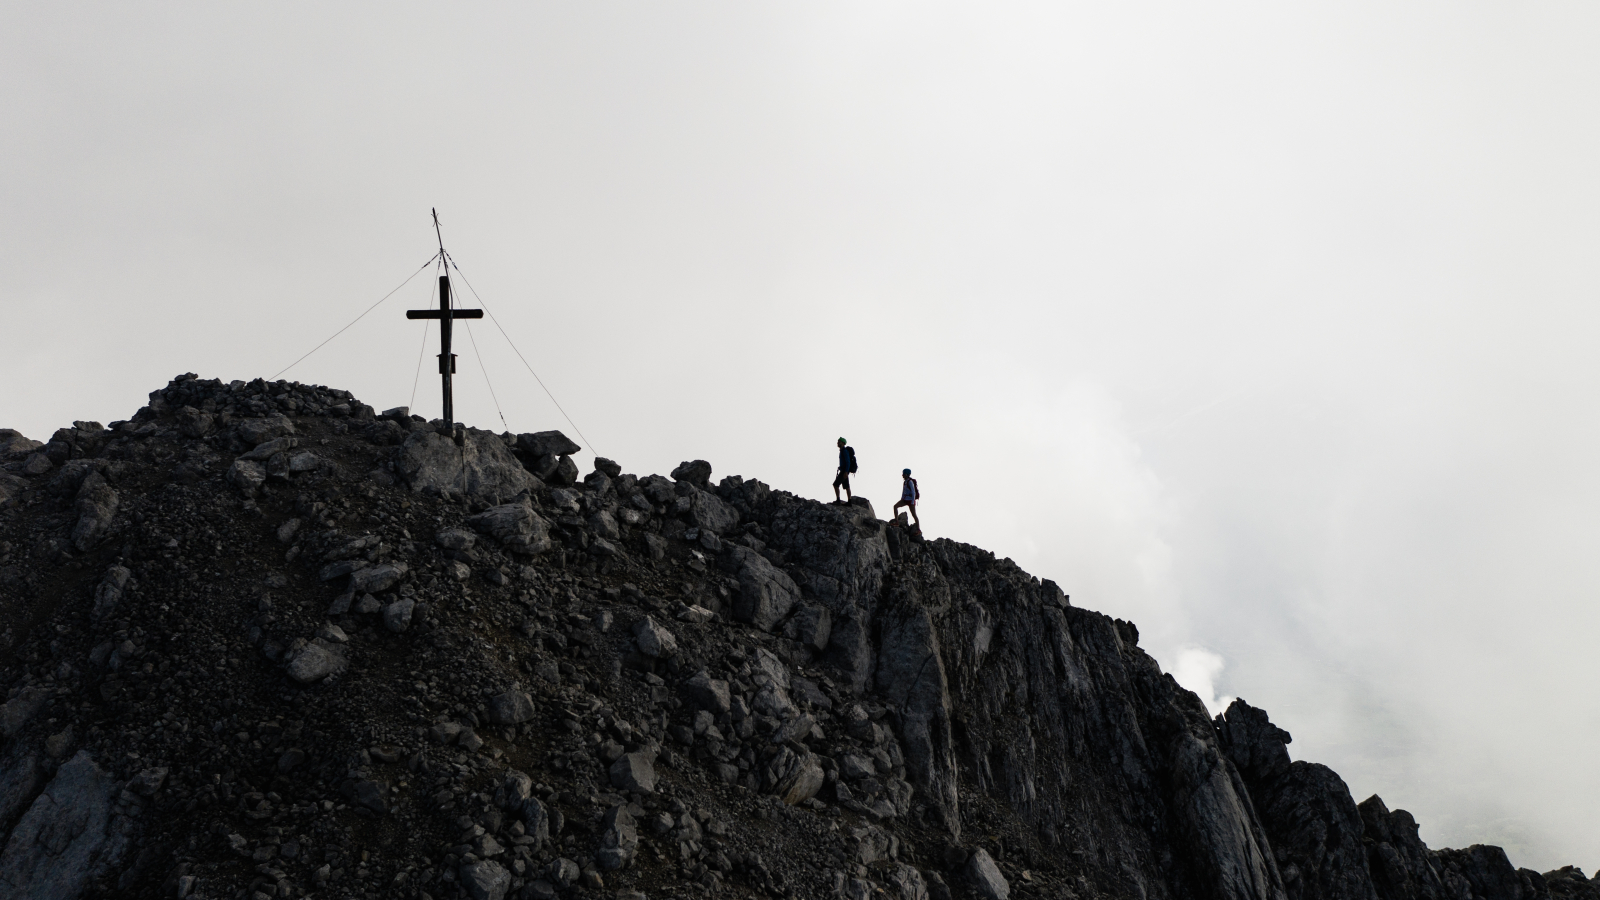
262 641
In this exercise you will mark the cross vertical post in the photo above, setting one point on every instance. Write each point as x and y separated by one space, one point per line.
445 314
447 360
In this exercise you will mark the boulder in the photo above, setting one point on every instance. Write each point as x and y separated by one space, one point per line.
13 445
987 881
458 539
565 472
708 512
795 775
377 579
109 593
96 506
634 772
766 593
397 615
611 469
247 476
603 524
315 661
485 879
619 841
481 470
655 641
69 837
193 423
811 626
547 443
704 692
696 472
510 708
515 526
257 431
268 449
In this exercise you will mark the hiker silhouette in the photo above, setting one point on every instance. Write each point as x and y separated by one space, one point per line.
847 467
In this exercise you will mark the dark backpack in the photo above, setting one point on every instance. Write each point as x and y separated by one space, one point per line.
852 452
916 492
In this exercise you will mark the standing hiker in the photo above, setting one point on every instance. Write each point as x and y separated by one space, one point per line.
847 467
908 496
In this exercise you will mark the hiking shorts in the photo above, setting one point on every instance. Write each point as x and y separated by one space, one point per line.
843 480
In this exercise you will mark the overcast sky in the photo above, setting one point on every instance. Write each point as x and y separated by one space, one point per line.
1268 326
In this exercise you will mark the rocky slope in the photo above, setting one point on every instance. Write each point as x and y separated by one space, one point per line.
259 641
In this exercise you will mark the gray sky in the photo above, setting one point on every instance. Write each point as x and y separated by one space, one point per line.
1269 326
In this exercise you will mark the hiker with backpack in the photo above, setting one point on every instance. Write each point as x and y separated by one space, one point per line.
847 467
909 494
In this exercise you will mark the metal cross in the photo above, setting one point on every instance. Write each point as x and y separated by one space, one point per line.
445 314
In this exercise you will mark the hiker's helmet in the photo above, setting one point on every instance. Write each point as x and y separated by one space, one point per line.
841 440
905 471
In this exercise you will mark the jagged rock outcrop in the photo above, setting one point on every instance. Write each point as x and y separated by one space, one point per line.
259 641
1329 847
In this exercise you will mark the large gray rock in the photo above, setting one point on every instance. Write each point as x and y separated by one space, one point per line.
701 691
397 615
485 879
455 539
634 772
248 476
69 837
619 842
376 579
315 661
193 423
13 445
547 443
257 431
515 526
696 472
604 525
654 640
96 506
709 513
766 593
510 708
565 472
109 592
794 775
481 470
987 881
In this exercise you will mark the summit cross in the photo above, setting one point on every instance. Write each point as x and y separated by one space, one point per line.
445 314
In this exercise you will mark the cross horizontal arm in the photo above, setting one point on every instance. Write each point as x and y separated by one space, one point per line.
440 314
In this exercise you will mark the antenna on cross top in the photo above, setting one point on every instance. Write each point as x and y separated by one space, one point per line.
446 313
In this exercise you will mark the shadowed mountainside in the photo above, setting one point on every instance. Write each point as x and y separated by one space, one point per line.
260 641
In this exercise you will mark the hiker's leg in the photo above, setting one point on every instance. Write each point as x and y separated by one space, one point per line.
914 520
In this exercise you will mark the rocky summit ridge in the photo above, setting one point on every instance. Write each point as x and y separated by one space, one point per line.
262 641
